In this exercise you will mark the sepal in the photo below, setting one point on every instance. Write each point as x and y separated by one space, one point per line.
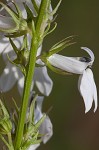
35 5
31 131
61 45
5 123
57 48
30 15
48 31
56 8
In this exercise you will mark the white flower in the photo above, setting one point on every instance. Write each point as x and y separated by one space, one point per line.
46 128
79 65
11 74
6 21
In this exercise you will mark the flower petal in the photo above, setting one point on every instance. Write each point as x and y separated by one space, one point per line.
38 114
6 48
39 101
42 80
6 23
95 96
69 64
8 77
90 53
87 89
39 50
21 84
34 147
3 43
21 7
46 129
38 110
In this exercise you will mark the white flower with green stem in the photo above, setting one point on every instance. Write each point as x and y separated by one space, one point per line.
26 31
12 74
25 37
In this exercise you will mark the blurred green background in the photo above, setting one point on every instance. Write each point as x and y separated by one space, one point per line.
73 129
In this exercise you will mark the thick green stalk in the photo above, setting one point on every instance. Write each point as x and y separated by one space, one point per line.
42 18
28 80
26 94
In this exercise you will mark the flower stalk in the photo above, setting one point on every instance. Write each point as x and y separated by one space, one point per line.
36 40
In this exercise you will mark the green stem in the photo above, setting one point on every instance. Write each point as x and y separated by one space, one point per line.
30 72
42 18
26 94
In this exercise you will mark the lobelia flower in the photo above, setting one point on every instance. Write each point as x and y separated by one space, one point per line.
82 66
11 74
46 128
